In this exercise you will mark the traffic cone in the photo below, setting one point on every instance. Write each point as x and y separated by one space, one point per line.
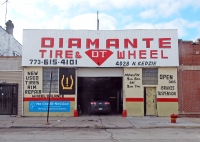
75 113
124 113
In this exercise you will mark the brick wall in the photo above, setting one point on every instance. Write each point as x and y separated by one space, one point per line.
189 54
189 78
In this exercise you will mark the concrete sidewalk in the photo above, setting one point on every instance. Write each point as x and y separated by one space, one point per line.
98 122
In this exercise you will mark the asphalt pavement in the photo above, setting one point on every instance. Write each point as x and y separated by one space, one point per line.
98 122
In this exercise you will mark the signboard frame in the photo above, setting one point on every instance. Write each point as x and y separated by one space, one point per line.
86 48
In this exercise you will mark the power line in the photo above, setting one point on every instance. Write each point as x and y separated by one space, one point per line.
97 20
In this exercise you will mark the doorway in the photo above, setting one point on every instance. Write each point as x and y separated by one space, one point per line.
110 87
8 99
150 103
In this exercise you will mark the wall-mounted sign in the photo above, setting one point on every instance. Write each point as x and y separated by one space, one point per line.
55 106
32 83
86 48
67 81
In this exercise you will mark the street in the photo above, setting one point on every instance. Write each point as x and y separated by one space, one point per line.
99 135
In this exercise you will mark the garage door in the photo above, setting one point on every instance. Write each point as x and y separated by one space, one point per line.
100 72
93 81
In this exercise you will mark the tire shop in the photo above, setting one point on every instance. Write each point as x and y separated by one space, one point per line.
133 71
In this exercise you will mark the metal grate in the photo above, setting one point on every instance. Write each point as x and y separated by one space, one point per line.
46 80
149 76
8 99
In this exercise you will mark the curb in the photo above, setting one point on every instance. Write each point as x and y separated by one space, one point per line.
91 127
70 127
182 127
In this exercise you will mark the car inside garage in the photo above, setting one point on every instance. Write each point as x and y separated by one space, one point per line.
103 88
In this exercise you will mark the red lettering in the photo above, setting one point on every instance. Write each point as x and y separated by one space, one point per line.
69 54
153 54
142 54
47 42
128 42
162 55
59 53
164 44
148 40
60 42
50 53
132 54
42 53
95 54
120 55
90 42
74 42
112 42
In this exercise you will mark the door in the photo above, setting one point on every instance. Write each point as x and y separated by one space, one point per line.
150 101
8 99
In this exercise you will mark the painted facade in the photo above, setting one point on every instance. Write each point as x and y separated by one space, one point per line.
163 99
11 75
149 59
9 46
36 101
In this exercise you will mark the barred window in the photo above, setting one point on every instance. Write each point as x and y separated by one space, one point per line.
46 80
149 76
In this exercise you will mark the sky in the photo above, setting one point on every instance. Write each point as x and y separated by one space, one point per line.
183 15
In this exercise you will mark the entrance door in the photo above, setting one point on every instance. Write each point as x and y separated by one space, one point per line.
8 99
150 101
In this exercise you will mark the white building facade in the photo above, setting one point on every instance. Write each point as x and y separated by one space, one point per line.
143 62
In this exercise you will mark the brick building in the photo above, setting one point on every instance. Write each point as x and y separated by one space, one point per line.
188 78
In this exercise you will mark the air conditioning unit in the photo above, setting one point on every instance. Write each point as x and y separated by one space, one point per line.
196 41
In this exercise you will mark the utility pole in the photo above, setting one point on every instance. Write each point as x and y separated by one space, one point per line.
97 20
6 9
47 123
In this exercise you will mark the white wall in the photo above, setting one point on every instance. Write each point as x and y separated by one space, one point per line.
9 46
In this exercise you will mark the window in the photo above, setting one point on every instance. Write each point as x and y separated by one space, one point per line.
149 76
46 80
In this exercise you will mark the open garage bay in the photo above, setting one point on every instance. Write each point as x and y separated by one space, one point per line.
90 88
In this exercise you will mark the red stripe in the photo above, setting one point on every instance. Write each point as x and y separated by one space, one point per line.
158 99
127 99
134 99
167 99
52 99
